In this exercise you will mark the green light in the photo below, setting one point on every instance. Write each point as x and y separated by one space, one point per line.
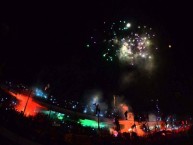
60 116
88 45
91 123
54 115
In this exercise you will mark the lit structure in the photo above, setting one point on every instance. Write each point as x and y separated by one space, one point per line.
32 107
91 123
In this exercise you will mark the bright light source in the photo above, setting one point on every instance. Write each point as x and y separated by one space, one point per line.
128 25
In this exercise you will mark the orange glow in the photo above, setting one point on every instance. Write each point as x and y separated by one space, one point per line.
32 107
126 127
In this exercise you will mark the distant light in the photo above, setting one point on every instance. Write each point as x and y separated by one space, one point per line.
147 42
129 129
143 55
128 25
85 111
169 46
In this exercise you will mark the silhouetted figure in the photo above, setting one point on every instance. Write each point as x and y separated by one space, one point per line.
117 124
144 127
155 128
126 114
97 111
133 126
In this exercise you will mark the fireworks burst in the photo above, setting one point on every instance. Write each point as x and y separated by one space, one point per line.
130 45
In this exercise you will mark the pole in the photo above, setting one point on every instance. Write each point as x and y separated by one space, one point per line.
114 101
98 121
147 120
50 112
27 102
98 112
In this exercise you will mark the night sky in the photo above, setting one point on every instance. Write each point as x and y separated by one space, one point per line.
46 43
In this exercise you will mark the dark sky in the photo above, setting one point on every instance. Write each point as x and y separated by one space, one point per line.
45 43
